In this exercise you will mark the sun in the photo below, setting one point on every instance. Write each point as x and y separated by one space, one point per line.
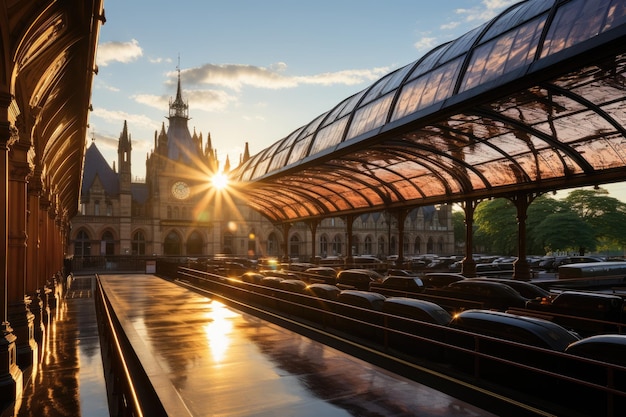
219 181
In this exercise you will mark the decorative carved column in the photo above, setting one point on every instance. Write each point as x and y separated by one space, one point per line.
521 269
285 228
35 286
468 266
20 316
349 219
313 227
11 379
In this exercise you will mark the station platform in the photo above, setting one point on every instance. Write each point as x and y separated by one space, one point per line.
207 359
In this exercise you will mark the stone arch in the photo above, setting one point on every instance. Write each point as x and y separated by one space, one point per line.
172 244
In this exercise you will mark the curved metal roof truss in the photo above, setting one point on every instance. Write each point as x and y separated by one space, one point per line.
534 100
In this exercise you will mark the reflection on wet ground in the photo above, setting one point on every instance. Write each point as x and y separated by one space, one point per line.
220 361
69 380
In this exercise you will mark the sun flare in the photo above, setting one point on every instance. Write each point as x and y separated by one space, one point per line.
219 181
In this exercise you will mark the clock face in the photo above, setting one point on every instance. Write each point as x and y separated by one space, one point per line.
180 190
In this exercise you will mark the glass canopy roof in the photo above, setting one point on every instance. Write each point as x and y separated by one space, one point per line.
531 101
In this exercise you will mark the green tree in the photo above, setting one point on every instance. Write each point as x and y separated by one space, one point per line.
542 207
606 216
496 226
565 231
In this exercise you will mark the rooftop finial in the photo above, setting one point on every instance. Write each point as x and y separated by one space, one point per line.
178 108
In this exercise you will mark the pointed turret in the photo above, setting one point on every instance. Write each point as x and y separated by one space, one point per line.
178 108
246 154
124 148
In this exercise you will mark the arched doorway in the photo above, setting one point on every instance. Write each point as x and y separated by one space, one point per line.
172 244
82 244
107 244
194 244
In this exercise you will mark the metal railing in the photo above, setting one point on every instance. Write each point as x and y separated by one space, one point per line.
556 383
129 391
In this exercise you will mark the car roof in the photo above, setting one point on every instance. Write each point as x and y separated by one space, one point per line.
553 334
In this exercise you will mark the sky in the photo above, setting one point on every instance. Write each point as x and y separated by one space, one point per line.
254 71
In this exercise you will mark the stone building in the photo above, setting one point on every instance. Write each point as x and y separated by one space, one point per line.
177 212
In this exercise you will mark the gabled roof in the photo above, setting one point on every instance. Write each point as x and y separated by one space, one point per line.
96 165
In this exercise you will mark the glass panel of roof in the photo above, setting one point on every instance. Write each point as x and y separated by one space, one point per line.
503 54
252 165
616 15
312 126
279 159
577 21
386 84
603 153
262 166
428 61
338 110
351 104
329 136
370 117
518 14
462 45
580 125
421 93
300 149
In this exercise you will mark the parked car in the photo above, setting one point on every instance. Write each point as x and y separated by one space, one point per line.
603 347
362 320
326 274
423 320
440 279
522 329
609 350
519 340
526 289
491 294
395 285
293 285
415 309
252 277
357 278
572 308
364 299
321 290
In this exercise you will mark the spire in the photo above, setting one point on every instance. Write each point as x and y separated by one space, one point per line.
178 108
124 142
227 165
246 153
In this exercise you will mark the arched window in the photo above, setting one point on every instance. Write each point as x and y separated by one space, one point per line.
294 246
337 245
323 246
107 245
194 244
228 243
172 245
417 246
381 246
82 244
169 212
430 246
251 243
138 244
272 245
355 245
367 250
96 208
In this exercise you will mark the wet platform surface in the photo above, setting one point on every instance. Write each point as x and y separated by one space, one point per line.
69 380
206 359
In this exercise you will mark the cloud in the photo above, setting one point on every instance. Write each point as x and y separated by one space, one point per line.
116 116
426 43
236 76
487 10
208 100
124 52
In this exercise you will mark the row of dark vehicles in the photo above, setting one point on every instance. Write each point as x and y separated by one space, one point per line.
495 327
